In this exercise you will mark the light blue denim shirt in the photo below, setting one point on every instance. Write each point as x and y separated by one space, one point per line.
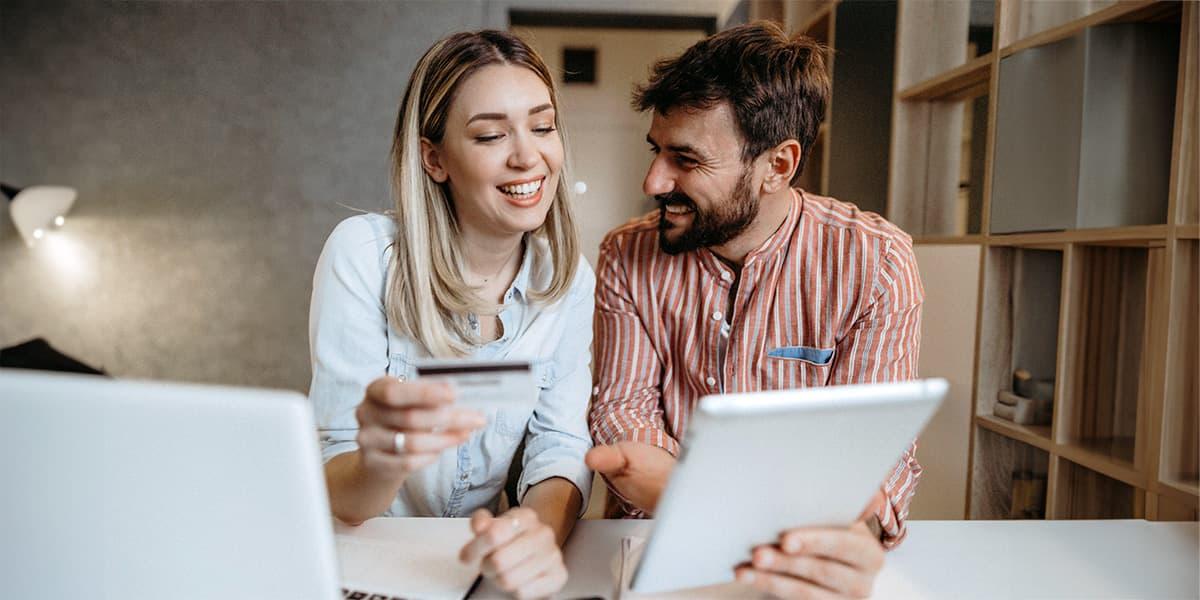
351 345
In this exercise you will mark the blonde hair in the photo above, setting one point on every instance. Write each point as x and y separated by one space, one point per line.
428 297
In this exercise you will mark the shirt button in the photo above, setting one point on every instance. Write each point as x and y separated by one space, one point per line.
726 277
596 390
710 381
716 316
464 476
400 378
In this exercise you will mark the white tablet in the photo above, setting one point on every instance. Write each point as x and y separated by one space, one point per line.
753 465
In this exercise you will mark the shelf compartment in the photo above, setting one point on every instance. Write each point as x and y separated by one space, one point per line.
1180 456
1084 131
1028 24
1082 493
860 107
1009 478
938 182
1022 294
1104 392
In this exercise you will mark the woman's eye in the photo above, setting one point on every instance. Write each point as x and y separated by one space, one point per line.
488 138
544 130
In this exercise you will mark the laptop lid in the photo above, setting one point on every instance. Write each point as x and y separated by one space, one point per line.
755 464
121 489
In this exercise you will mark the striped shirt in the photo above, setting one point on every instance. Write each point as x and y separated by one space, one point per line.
833 297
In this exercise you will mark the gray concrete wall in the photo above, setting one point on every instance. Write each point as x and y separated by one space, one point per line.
211 144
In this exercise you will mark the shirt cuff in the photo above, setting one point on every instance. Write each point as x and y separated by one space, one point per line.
575 472
648 435
332 449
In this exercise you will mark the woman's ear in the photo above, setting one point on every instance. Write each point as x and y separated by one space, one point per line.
782 161
431 161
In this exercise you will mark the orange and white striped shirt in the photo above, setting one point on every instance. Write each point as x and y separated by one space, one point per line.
832 297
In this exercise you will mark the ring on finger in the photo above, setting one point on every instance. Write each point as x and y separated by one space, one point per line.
398 442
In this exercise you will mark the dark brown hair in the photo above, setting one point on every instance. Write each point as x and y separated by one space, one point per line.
777 86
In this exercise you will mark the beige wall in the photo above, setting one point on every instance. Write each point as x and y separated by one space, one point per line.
607 138
950 275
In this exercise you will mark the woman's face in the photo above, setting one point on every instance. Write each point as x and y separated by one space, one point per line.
501 153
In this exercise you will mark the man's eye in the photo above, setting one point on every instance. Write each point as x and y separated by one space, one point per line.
685 161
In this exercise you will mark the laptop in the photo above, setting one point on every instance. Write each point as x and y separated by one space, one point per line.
755 464
122 489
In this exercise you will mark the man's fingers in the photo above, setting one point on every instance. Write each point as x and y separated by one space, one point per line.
826 573
853 547
388 391
782 586
606 459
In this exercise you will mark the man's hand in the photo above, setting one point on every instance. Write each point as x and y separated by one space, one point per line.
638 471
820 562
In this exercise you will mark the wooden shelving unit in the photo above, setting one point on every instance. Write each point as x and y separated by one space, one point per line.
1106 317
1110 315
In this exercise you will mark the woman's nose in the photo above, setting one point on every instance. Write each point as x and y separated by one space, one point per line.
524 154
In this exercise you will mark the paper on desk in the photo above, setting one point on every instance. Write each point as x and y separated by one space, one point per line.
411 557
626 566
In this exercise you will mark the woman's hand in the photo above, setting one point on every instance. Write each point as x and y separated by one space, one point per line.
404 426
518 552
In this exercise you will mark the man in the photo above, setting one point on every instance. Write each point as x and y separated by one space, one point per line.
741 283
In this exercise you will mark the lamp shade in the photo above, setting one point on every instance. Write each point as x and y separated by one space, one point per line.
36 209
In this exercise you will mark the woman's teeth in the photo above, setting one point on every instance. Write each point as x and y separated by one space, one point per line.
522 190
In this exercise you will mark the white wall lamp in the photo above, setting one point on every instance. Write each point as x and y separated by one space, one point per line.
37 209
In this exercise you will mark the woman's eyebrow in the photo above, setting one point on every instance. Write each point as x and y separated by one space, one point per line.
501 116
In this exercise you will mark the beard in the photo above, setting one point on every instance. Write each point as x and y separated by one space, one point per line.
711 227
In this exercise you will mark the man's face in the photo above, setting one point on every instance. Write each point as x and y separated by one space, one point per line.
706 194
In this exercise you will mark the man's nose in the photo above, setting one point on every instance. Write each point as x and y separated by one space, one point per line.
658 178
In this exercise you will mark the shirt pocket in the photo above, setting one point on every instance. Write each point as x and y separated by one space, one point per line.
820 357
400 367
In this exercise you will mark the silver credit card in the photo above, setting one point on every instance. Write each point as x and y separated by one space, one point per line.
502 384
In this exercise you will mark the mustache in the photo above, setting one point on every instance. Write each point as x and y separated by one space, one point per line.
674 198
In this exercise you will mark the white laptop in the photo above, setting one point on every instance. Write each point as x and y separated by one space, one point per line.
114 489
755 464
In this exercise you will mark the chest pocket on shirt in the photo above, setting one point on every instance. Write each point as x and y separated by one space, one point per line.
513 422
820 357
789 366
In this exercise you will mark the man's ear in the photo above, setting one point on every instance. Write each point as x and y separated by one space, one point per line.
782 162
431 161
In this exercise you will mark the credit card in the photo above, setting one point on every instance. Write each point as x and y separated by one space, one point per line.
501 384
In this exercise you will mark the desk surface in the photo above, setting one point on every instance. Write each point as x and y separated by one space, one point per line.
978 559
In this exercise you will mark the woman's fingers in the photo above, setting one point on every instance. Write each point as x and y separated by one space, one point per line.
391 392
414 442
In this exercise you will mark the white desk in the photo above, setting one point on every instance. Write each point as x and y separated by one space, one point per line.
979 559
939 559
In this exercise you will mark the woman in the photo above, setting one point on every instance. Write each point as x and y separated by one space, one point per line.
479 259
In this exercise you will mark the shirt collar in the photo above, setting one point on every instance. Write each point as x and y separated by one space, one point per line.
521 282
